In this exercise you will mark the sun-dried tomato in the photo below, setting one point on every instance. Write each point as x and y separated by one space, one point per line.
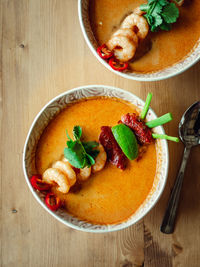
142 132
114 152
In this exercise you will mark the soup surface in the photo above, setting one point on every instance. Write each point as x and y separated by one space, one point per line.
166 48
110 195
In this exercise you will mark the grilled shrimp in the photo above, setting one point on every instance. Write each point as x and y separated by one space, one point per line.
66 168
127 33
139 22
100 160
54 175
84 174
122 46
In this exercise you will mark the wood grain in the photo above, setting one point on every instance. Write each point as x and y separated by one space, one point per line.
43 54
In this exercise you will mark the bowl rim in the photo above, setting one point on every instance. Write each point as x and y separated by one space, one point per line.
120 226
125 75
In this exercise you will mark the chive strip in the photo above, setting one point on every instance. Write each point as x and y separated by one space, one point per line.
146 106
159 121
164 136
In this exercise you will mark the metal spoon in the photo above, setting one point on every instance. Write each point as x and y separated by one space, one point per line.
189 132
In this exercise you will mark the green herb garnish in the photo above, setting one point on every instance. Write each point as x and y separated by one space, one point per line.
80 154
77 132
160 14
164 136
146 106
160 121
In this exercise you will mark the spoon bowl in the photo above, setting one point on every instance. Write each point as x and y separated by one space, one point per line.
189 126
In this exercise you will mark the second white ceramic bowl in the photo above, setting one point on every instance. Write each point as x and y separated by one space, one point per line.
176 69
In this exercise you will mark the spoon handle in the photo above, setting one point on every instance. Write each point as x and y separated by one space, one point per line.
167 226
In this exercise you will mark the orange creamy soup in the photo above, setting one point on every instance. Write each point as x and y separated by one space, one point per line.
161 49
110 195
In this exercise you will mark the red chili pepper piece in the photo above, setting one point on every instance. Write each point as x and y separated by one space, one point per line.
104 52
38 184
143 133
117 65
114 152
52 201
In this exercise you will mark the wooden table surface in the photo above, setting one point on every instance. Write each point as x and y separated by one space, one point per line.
43 53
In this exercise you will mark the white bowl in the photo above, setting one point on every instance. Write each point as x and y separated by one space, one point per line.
171 71
51 110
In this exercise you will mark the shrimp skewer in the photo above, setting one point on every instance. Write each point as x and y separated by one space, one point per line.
64 176
124 41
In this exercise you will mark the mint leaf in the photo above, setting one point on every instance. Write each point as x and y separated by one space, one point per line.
75 156
165 27
94 153
157 10
70 144
170 13
89 145
90 160
152 1
68 135
80 154
89 148
149 19
158 21
160 14
163 2
144 7
77 132
156 18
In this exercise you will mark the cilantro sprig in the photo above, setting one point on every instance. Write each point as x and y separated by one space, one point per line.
80 154
160 14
